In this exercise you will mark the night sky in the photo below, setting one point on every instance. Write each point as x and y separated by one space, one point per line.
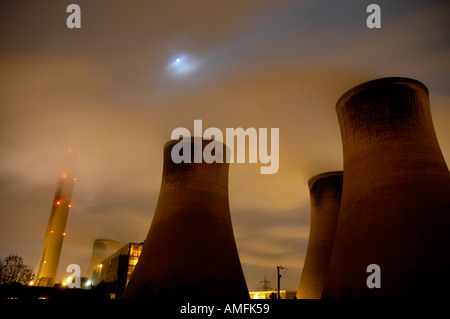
113 91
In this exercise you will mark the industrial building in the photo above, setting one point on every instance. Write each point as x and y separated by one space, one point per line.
190 250
395 205
114 272
325 195
272 294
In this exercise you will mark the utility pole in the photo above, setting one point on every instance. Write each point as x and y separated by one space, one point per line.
279 276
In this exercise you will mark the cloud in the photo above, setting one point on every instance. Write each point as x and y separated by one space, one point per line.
106 93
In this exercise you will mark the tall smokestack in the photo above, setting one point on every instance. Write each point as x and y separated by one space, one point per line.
56 231
395 207
325 193
190 250
102 249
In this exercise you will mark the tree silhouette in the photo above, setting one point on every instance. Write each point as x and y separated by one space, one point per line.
14 270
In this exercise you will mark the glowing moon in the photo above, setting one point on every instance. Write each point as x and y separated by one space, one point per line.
182 65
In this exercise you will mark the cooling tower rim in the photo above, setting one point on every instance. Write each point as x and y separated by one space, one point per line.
376 83
194 139
106 240
173 142
317 177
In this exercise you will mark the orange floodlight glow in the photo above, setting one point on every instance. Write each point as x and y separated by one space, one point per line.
58 203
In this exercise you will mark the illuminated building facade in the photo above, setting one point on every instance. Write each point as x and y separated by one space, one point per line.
56 231
272 294
115 271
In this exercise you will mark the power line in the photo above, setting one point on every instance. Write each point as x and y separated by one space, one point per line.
265 285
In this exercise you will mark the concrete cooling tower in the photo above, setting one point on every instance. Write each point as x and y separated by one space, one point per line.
325 193
395 207
190 250
103 248
56 231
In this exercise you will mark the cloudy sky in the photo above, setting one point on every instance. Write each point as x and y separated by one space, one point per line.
112 92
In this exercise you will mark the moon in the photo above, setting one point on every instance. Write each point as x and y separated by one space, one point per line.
182 65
